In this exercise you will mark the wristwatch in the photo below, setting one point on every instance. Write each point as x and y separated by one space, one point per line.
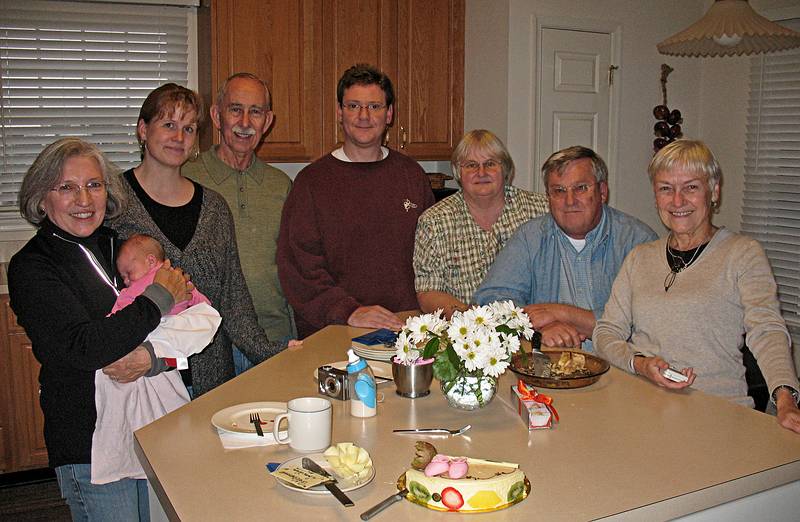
795 394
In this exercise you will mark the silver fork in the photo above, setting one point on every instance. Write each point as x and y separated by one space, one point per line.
435 430
256 420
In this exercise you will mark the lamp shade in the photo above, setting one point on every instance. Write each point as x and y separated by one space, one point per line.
730 27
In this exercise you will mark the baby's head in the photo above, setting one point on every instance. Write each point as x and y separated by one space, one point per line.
137 256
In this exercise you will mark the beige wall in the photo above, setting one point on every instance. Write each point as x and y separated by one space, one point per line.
711 93
724 91
486 66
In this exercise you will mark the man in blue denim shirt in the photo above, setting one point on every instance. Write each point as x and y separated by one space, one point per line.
560 267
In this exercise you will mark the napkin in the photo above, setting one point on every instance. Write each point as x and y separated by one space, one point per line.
231 441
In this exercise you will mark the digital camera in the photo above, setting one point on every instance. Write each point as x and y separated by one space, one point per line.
333 382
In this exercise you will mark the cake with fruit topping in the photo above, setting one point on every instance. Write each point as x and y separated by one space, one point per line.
463 484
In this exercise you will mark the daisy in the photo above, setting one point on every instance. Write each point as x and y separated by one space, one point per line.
480 315
496 364
422 326
459 328
406 349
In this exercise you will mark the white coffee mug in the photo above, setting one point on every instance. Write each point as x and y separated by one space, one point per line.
309 424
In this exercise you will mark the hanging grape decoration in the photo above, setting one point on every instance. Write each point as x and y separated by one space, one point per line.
668 127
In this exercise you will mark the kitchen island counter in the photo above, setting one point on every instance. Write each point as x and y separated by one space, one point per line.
624 448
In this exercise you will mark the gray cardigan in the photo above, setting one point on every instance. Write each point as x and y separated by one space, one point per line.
212 260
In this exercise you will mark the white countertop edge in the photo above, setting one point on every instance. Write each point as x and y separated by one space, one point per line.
709 498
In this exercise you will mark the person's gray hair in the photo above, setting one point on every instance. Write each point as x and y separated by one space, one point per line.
559 160
246 75
47 170
689 155
482 140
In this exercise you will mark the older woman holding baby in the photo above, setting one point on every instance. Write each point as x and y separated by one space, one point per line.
194 225
690 301
62 285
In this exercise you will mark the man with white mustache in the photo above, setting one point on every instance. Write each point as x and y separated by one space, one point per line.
559 267
255 191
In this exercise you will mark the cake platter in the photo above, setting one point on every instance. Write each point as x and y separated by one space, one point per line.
595 368
401 485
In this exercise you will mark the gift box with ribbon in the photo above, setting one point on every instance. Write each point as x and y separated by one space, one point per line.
535 408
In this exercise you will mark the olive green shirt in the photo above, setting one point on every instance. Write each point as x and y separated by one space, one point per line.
256 197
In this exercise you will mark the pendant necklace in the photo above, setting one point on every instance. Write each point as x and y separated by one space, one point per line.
676 259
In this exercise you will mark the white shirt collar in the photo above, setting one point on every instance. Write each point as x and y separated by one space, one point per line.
340 155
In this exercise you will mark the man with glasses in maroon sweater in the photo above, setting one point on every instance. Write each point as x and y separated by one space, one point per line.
347 230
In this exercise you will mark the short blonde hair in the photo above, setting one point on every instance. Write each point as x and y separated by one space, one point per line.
488 143
691 155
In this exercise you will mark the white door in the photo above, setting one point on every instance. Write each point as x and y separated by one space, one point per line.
574 93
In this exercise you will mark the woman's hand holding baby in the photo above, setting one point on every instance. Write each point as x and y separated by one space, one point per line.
175 281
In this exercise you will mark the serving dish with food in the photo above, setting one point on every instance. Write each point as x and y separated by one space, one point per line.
569 368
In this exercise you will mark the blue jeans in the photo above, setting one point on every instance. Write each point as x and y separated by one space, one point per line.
124 500
241 363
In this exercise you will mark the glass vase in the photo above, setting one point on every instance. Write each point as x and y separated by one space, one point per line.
470 392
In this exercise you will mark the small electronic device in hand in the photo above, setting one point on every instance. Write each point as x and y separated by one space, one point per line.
674 375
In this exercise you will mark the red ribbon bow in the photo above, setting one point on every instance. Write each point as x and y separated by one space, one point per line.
530 394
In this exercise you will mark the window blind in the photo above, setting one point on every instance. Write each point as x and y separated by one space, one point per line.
79 69
771 209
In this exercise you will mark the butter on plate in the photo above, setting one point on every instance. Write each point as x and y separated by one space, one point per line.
299 477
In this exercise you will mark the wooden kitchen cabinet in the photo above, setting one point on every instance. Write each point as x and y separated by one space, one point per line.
22 422
302 47
280 41
429 120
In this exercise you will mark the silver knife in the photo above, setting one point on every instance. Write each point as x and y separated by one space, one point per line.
374 510
330 484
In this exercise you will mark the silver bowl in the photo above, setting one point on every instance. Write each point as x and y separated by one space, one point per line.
414 380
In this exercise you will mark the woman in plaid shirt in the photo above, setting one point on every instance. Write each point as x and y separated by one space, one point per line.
458 238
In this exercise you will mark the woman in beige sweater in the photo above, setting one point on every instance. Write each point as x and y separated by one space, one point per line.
717 290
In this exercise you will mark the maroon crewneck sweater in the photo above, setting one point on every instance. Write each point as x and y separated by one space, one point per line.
347 238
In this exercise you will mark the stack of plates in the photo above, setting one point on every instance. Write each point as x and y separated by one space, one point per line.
378 352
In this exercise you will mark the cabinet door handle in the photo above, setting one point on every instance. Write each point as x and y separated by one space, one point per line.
403 137
386 138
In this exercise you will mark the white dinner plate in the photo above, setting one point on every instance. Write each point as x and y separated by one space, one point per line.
236 419
377 353
345 484
380 369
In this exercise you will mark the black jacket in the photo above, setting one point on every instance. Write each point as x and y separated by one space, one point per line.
61 301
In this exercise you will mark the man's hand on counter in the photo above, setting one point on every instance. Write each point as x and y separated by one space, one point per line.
374 317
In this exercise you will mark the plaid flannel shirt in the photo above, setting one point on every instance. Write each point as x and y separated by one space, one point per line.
452 253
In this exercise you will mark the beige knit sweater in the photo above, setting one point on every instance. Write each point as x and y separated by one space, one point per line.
727 292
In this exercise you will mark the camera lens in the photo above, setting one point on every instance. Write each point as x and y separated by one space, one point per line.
332 386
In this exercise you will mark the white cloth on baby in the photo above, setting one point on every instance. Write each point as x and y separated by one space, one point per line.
123 408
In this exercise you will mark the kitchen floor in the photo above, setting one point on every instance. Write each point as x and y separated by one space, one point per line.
31 496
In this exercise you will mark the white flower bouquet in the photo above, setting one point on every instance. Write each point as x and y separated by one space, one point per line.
477 343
